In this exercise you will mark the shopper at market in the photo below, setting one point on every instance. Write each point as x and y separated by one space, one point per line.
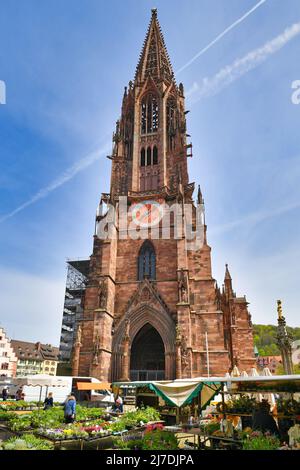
48 403
4 393
19 393
70 409
119 403
262 419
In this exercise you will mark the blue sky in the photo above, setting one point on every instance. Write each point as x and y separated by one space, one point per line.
65 64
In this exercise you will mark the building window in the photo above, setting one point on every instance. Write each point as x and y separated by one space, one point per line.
152 156
147 262
149 114
171 123
155 155
149 156
4 366
143 157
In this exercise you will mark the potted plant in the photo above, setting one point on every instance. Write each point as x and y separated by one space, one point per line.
259 441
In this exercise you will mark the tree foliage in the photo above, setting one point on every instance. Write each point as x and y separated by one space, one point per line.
265 338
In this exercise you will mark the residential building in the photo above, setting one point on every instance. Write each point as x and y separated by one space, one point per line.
8 358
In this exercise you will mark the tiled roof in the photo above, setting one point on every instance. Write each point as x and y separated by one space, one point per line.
34 351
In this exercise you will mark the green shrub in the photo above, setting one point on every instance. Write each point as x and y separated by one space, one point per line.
154 440
27 442
260 441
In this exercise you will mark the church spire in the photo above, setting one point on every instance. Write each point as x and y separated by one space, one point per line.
227 273
154 59
200 199
228 283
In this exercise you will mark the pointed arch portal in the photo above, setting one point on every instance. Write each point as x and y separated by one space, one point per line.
147 357
151 338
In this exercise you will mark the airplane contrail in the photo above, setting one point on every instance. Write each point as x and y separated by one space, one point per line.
221 35
68 174
88 160
255 217
230 73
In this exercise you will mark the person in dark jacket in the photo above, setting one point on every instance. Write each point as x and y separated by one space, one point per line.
4 393
262 419
19 394
70 409
48 403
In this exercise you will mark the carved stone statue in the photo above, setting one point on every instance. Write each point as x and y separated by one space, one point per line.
184 352
96 350
178 334
102 294
181 342
78 336
284 342
182 286
127 329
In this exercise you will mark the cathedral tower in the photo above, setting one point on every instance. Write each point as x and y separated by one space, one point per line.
151 300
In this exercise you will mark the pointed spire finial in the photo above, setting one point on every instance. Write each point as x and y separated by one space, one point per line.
154 59
200 199
227 273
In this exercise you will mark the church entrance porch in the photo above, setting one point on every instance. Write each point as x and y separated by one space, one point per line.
147 357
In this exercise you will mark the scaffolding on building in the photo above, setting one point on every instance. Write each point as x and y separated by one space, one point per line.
77 277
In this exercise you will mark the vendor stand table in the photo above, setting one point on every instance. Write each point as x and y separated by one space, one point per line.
203 439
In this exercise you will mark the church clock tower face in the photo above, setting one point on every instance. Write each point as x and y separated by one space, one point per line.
147 213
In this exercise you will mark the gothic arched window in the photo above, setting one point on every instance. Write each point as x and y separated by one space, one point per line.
155 156
147 262
149 156
171 122
143 159
149 114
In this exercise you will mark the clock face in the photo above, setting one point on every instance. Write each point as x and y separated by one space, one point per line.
147 214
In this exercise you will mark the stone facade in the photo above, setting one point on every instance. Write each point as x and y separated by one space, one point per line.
157 293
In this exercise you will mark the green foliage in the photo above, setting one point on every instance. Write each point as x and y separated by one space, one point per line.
83 413
211 427
241 404
289 407
132 418
27 442
260 441
265 338
154 440
18 405
280 370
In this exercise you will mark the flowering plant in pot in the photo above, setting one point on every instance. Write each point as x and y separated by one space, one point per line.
259 441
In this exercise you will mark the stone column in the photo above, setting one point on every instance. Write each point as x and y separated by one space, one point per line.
126 354
76 352
178 354
284 342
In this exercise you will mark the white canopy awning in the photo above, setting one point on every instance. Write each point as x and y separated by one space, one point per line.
40 380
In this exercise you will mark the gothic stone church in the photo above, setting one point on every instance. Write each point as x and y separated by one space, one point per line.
150 305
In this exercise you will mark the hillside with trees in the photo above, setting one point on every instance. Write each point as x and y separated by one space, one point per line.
265 338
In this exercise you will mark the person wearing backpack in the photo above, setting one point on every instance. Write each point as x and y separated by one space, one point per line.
70 409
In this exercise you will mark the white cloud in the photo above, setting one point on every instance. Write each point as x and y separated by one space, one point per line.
230 73
31 307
